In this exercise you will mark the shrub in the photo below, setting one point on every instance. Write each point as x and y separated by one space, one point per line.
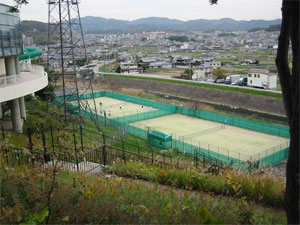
259 188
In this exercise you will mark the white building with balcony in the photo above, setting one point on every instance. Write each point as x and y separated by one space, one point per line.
15 81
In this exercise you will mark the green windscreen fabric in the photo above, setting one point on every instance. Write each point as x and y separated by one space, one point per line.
234 121
185 144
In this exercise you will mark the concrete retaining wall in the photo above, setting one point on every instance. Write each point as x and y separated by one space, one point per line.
246 101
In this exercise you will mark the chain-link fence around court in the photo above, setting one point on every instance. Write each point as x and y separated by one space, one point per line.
188 144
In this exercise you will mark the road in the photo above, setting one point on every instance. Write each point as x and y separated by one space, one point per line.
193 81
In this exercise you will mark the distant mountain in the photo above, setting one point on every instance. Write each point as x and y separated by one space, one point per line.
98 24
271 28
90 23
38 30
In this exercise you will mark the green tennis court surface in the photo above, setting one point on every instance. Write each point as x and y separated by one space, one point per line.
114 108
220 138
226 138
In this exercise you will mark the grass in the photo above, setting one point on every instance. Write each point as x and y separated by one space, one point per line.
67 198
218 87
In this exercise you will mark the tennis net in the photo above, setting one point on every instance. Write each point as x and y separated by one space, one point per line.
202 132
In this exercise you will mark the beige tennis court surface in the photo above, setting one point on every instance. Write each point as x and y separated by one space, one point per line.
113 107
214 136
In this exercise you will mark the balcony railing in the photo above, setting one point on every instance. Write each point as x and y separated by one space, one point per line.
28 75
25 83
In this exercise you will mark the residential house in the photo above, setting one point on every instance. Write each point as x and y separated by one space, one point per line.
214 64
202 72
132 70
262 78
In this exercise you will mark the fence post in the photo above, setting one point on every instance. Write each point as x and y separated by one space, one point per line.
75 147
123 151
104 148
52 138
29 139
2 145
152 160
228 155
195 157
81 135
46 158
3 134
139 150
58 142
6 156
104 155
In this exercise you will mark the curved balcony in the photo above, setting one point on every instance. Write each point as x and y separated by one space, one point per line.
25 83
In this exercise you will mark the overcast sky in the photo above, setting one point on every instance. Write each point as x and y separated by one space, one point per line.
173 9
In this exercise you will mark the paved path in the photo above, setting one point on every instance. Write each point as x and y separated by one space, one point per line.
84 166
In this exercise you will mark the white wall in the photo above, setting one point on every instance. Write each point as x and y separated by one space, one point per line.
272 82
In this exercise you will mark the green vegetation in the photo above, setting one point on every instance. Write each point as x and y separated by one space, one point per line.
68 198
64 197
275 27
178 38
219 73
118 69
155 70
101 69
271 28
261 189
187 74
39 32
227 35
225 88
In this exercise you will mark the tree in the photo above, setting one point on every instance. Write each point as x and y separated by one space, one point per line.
118 69
145 67
178 38
187 74
289 81
19 3
219 73
290 91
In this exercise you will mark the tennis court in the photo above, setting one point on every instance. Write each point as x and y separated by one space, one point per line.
220 138
229 139
114 108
